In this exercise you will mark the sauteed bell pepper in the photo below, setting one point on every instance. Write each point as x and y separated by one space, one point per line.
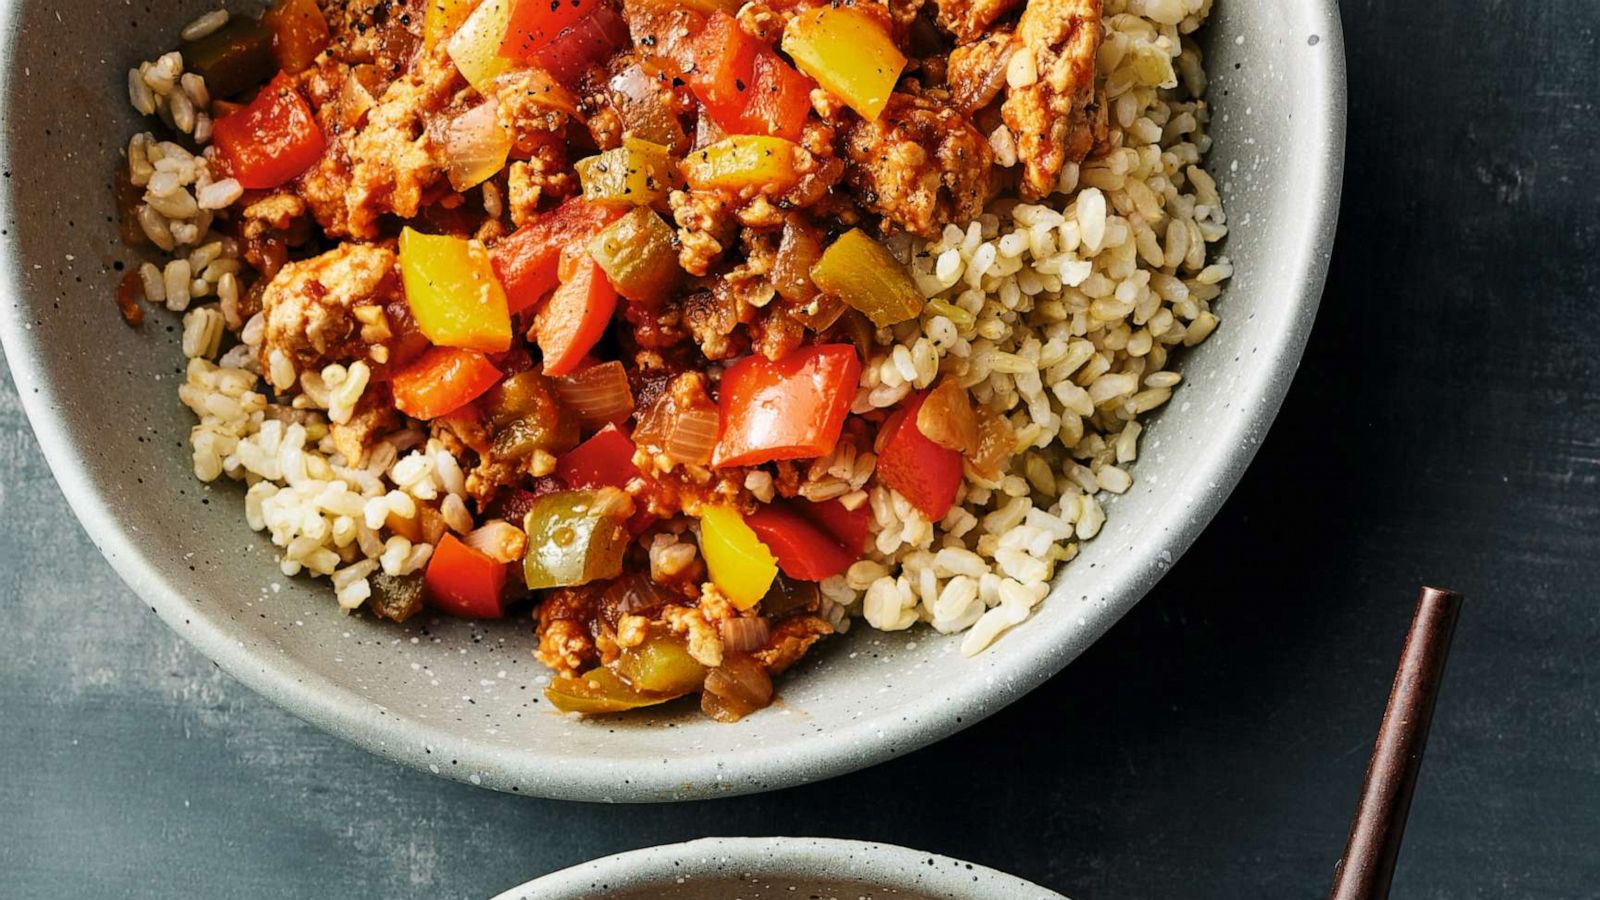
272 140
234 58
812 541
743 85
926 474
527 260
639 173
638 256
739 564
575 318
299 32
464 581
442 18
661 665
793 408
596 692
442 381
453 293
575 537
475 46
605 460
524 415
864 274
849 53
743 161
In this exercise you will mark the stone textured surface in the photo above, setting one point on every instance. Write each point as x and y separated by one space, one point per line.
1443 427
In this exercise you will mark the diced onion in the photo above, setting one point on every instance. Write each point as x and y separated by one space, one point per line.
692 436
596 395
641 103
947 419
498 539
475 146
745 635
736 688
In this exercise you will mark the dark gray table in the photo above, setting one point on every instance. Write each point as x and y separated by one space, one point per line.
1445 425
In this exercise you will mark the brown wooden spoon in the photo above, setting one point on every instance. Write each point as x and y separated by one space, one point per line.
1367 868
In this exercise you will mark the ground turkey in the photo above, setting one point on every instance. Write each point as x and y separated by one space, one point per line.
310 307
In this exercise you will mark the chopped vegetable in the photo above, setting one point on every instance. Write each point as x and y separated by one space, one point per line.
805 549
584 45
793 408
442 381
947 419
642 103
661 665
532 24
745 635
452 291
779 99
597 394
638 173
847 527
864 274
395 597
996 442
744 161
575 318
638 256
739 564
475 47
717 70
273 139
849 53
234 58
924 473
442 18
686 435
798 250
527 260
605 460
464 582
735 689
475 146
789 595
575 537
525 416
299 31
597 692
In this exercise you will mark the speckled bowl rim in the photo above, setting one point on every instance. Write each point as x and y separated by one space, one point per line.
921 720
885 866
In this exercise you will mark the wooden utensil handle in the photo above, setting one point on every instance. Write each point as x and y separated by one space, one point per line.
1380 819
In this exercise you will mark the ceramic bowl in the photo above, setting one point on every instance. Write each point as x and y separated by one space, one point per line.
462 699
773 868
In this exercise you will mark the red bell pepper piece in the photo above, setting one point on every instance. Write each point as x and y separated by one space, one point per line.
744 86
847 527
575 318
533 24
924 473
583 44
442 381
526 261
812 541
780 99
605 460
718 69
790 409
463 581
272 140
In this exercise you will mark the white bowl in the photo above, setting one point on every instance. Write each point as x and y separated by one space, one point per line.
459 698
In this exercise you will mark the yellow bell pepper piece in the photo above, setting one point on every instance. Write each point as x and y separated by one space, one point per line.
744 160
848 53
452 291
638 173
475 47
441 19
740 565
863 273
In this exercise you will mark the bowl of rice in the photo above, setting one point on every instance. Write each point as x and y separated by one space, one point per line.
1133 328
757 868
